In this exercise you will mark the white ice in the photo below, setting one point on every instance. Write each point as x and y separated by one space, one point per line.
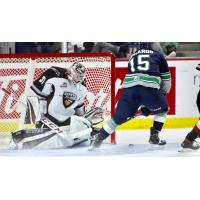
139 147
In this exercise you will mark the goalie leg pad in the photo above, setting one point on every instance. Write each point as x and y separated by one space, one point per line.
37 139
78 124
34 143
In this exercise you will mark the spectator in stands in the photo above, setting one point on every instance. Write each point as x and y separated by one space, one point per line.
156 46
25 47
44 47
7 47
170 48
119 49
88 46
38 47
105 47
77 46
125 49
56 47
48 47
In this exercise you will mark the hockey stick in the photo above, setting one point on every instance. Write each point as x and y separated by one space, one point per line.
59 130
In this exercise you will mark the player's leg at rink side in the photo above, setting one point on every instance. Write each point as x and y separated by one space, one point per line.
125 110
190 139
127 106
156 102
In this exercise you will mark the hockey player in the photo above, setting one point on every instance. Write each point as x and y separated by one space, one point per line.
190 139
60 93
146 83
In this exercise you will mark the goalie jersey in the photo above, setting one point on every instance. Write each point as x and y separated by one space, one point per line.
63 95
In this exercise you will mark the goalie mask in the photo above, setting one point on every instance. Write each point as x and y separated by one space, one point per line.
76 72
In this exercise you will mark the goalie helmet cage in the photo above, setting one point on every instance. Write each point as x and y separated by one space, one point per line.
18 71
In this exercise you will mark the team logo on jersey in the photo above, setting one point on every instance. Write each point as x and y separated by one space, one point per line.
69 98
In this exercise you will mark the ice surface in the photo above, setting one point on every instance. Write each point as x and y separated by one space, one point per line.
137 138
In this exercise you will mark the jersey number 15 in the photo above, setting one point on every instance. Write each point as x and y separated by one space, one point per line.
140 63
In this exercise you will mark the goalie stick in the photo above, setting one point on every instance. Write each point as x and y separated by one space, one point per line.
57 130
62 133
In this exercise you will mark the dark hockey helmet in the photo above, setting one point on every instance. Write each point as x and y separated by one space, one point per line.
143 45
76 72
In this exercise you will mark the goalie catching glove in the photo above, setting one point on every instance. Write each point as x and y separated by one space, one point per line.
95 115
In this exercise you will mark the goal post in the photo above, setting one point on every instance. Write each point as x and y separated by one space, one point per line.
18 71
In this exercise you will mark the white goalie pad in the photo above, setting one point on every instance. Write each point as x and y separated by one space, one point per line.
79 127
95 115
67 136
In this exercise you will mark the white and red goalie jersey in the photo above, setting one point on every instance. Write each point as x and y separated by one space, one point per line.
63 97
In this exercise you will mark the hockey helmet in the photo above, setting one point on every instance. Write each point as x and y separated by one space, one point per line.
76 72
143 45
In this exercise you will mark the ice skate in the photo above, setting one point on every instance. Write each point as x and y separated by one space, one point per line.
15 140
13 145
154 138
98 140
187 144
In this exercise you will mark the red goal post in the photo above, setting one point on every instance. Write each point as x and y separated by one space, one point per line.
18 71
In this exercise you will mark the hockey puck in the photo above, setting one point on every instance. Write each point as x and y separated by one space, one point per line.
131 145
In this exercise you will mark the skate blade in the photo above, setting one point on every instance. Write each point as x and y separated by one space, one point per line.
156 147
187 150
92 148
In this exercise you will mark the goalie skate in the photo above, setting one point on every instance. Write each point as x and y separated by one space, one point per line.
13 145
16 140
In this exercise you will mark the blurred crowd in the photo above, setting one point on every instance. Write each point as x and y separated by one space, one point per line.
119 49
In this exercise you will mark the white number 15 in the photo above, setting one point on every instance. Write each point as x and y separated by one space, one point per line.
142 63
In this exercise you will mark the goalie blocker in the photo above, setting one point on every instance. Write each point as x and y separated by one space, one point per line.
51 136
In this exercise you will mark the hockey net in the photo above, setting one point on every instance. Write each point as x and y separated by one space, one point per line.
19 71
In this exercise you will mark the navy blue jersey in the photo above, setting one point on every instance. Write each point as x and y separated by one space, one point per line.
147 68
